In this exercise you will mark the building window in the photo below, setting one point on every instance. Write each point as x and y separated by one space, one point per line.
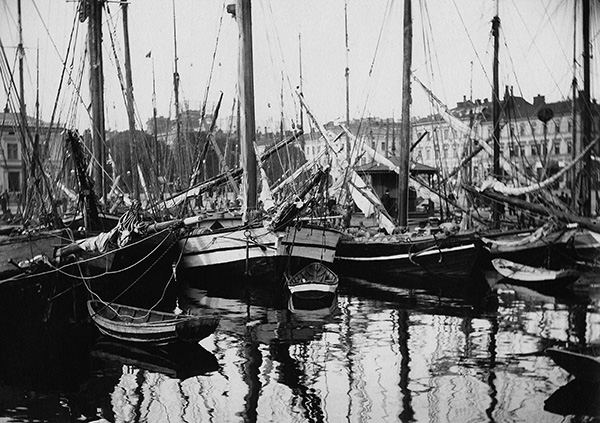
534 150
557 127
12 151
556 148
569 126
569 147
522 129
383 146
14 181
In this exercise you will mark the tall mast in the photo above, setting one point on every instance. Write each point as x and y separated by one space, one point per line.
178 143
575 150
282 117
347 80
22 111
154 119
129 97
404 149
586 110
21 54
496 115
300 66
247 119
97 92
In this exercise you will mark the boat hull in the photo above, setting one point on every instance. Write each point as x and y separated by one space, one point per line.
17 249
256 253
444 257
552 250
134 324
312 288
533 276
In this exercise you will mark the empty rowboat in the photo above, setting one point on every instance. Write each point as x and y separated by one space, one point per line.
135 324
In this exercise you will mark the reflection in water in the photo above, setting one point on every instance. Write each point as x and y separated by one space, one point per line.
575 398
387 354
407 413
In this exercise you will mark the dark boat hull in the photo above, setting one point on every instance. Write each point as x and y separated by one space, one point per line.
447 257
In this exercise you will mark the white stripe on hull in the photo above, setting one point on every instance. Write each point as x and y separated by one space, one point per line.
309 286
406 256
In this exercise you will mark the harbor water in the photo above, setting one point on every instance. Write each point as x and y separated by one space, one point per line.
385 352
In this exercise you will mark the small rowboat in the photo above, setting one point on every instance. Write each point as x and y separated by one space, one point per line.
522 273
582 366
135 324
313 287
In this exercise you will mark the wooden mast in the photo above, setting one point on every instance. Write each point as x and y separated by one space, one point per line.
404 150
97 92
22 110
496 116
586 193
129 98
301 81
178 144
247 116
347 80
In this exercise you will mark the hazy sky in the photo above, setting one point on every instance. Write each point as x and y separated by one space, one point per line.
452 53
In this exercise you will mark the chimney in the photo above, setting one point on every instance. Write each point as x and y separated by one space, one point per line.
539 100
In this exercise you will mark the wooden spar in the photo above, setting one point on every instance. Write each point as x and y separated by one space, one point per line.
543 210
465 161
224 168
301 81
496 116
22 110
586 193
178 144
154 119
248 126
97 92
129 100
404 150
347 80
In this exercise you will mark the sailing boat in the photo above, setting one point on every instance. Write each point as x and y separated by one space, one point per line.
36 229
258 249
423 253
135 248
567 237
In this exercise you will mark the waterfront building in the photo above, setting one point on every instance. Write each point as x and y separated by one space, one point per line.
15 141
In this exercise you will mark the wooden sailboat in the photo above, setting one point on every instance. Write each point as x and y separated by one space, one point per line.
566 238
135 248
36 229
255 248
419 254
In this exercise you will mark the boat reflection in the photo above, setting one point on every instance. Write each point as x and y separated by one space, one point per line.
383 352
180 360
578 398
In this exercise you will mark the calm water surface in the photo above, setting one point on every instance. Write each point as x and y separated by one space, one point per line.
384 354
